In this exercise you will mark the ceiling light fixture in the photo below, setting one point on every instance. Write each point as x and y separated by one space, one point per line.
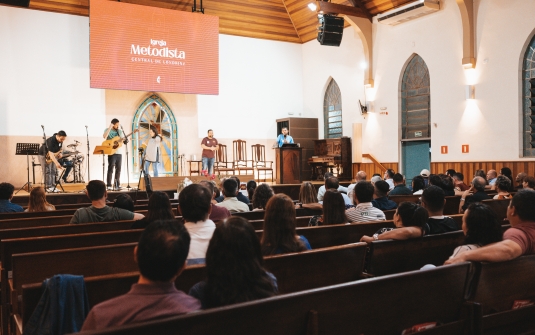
312 6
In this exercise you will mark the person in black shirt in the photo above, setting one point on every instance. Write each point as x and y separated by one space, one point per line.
476 193
433 199
54 145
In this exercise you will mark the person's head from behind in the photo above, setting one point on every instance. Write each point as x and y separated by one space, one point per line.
209 185
96 190
361 176
433 199
162 250
409 214
435 179
458 178
528 182
307 193
450 172
124 201
332 182
479 183
418 183
251 187
195 203
159 207
234 265
375 179
505 171
261 196
334 207
381 188
37 201
398 179
279 226
6 191
521 208
503 184
230 188
447 183
481 173
481 225
327 175
364 192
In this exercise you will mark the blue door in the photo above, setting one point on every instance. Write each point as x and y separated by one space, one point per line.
415 156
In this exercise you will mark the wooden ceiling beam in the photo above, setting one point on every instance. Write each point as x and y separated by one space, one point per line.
360 5
292 20
323 7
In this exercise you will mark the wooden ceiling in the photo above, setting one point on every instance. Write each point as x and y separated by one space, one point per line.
281 20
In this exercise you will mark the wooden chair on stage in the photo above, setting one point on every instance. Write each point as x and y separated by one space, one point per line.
240 157
259 161
221 165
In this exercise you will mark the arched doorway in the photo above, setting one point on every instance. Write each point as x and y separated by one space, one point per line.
161 116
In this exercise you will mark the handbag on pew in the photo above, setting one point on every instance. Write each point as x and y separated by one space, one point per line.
315 221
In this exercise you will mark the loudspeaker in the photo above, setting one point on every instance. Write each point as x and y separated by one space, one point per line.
330 30
18 3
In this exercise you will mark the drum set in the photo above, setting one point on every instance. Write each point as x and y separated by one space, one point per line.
73 159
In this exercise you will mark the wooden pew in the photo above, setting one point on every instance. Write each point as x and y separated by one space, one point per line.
402 198
295 272
386 305
35 222
62 212
390 256
452 205
259 215
300 221
499 207
389 214
494 290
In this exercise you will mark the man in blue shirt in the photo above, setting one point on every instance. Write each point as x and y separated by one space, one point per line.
284 137
6 194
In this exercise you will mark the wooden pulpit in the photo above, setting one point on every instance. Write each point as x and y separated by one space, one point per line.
288 163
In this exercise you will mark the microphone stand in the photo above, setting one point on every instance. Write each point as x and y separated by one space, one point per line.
46 151
87 135
128 187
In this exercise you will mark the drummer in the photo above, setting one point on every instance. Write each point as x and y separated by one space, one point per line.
67 163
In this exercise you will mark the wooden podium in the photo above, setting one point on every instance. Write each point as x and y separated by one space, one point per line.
288 164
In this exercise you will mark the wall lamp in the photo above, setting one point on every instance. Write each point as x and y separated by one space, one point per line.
470 92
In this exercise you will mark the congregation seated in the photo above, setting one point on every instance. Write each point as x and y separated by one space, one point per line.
517 241
307 193
506 172
418 185
520 180
124 201
333 183
458 183
99 211
334 208
381 200
231 195
161 257
194 204
279 235
433 200
37 201
159 208
6 194
408 214
360 176
502 186
218 213
235 267
444 182
238 195
480 226
364 211
399 186
251 187
261 196
528 183
323 188
475 193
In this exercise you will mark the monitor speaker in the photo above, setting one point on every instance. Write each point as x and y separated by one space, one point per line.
17 3
330 30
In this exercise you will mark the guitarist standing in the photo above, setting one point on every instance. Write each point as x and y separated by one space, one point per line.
54 145
115 160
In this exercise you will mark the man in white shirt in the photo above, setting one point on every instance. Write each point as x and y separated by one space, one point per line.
231 202
389 175
195 206
321 190
364 211
360 176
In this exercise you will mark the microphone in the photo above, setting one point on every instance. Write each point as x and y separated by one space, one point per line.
42 126
85 127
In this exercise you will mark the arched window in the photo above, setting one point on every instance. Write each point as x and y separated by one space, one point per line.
332 111
415 101
528 99
161 116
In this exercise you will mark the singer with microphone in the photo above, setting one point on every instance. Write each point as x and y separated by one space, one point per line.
115 160
284 137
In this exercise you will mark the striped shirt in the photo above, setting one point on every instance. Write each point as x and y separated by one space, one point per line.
364 212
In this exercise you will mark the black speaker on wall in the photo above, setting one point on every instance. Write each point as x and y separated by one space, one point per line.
18 3
330 30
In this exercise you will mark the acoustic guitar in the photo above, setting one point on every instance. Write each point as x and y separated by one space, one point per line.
117 142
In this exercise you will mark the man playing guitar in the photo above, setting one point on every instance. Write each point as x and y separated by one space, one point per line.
115 160
51 150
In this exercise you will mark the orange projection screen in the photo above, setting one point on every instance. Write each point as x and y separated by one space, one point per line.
142 48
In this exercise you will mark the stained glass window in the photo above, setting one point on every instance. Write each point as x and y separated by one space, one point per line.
332 111
528 100
415 100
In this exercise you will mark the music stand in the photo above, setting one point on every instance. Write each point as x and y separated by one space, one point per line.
103 150
27 149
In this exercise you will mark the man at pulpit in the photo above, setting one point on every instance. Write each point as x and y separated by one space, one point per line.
284 137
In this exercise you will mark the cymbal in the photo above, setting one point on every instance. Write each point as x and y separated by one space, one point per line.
72 145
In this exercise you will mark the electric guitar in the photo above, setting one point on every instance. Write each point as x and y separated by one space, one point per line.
56 154
117 142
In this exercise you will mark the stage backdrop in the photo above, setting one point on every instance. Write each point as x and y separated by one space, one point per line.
135 47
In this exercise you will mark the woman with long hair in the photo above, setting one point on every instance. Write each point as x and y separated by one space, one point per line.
251 187
234 266
159 209
409 219
152 152
418 184
279 234
261 196
307 193
37 201
480 226
334 208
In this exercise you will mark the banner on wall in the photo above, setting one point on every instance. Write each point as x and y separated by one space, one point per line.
143 48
